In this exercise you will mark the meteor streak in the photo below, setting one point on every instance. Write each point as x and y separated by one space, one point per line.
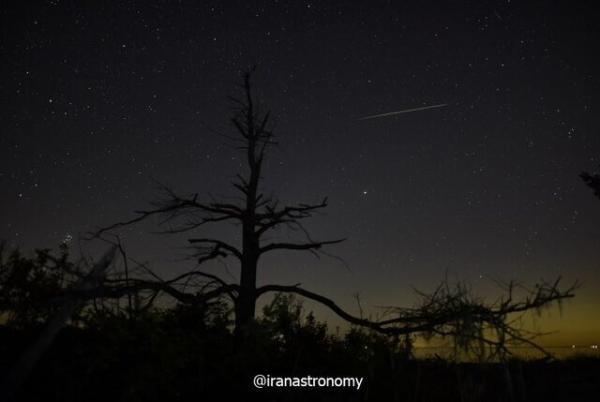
417 109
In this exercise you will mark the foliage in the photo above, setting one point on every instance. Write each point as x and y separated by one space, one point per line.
182 353
593 181
29 284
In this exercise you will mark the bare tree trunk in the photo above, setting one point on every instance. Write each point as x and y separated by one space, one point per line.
246 302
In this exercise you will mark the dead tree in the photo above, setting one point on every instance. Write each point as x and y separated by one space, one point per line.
447 312
256 213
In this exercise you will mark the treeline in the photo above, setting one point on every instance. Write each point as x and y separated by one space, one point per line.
126 352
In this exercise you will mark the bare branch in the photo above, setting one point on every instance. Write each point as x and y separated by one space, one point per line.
454 312
321 299
298 246
218 243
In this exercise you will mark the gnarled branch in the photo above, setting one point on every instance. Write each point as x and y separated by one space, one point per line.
298 246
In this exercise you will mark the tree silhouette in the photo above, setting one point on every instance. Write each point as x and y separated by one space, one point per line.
449 311
257 213
64 311
593 181
28 284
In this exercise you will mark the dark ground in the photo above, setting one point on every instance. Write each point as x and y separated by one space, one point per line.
169 356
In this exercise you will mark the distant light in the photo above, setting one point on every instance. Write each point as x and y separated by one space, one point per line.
572 346
365 192
594 346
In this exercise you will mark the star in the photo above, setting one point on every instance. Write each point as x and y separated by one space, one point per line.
67 239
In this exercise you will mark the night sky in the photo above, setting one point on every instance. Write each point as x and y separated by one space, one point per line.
99 103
